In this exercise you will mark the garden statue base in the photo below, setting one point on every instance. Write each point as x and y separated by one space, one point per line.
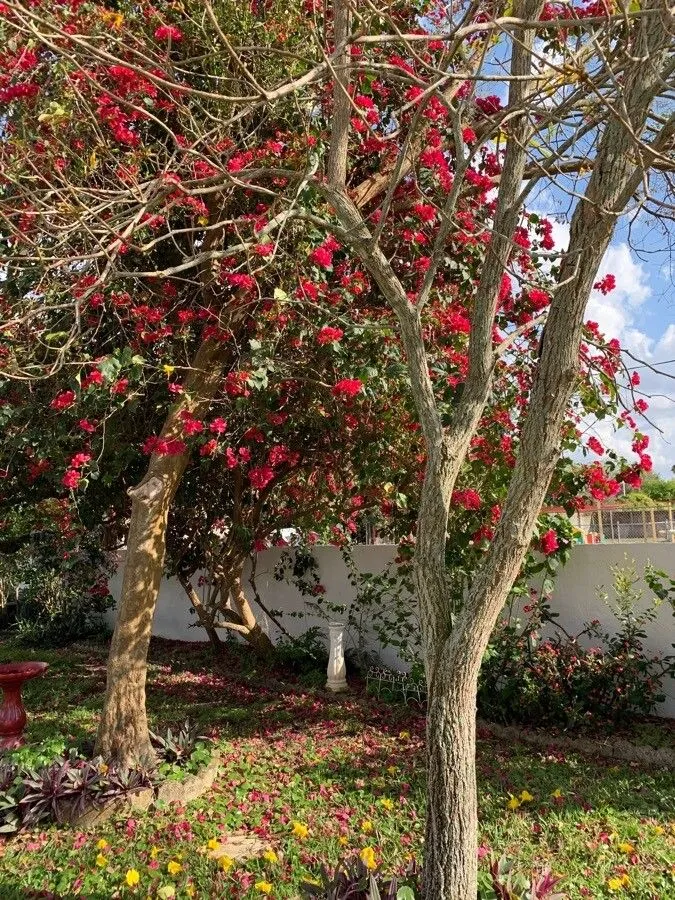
12 711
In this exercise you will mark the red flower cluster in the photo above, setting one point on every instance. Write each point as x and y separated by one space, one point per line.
164 447
322 255
595 445
327 335
607 284
260 477
168 32
468 499
63 400
599 484
347 387
549 542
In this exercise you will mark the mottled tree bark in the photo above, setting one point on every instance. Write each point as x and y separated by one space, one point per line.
123 730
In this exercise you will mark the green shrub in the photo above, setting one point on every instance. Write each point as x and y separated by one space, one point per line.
562 682
62 594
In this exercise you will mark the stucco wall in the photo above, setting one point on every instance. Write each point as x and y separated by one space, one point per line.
574 597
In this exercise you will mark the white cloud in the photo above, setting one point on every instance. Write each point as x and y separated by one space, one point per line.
621 314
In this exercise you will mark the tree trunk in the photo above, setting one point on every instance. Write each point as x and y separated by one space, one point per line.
123 730
452 826
254 635
451 840
205 614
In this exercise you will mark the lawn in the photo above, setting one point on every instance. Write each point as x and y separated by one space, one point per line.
318 778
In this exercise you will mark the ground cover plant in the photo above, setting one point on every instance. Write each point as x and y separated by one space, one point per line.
318 780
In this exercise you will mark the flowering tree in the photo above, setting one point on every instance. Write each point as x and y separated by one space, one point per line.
162 180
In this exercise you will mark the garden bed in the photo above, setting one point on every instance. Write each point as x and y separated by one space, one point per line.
349 770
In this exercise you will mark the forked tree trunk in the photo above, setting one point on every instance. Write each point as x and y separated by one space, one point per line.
253 634
450 871
241 620
123 730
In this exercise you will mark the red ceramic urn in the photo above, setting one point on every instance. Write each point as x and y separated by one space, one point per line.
12 711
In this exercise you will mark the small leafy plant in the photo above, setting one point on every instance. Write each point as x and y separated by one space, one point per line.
64 788
504 884
353 880
182 751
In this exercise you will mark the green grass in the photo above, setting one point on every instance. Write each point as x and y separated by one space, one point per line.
350 769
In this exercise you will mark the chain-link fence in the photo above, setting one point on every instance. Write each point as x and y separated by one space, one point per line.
618 523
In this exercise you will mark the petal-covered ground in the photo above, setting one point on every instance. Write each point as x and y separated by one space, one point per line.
318 778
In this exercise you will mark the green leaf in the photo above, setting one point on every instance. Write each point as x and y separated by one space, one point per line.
166 891
405 893
55 336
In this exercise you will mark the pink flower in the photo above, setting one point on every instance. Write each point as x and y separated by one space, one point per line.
120 386
595 445
208 448
168 32
607 284
86 425
63 400
347 387
549 542
79 460
538 298
71 479
327 335
218 426
261 477
190 424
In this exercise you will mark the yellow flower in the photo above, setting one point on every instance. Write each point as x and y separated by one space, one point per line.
526 797
103 769
557 793
368 858
625 847
299 830
191 891
154 852
101 861
392 770
342 840
173 867
225 862
387 803
366 826
616 884
513 803
102 844
169 370
404 735
264 887
213 844
270 855
133 876
659 829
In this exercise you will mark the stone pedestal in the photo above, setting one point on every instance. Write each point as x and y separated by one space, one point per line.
337 670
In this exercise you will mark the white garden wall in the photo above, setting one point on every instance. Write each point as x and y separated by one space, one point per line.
574 597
